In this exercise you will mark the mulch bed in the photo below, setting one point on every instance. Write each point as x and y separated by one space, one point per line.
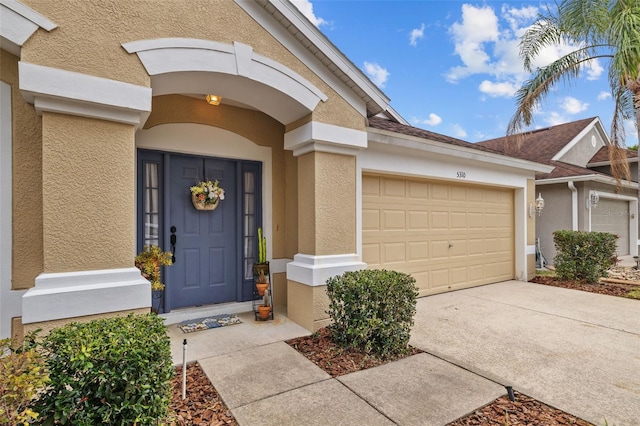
523 411
337 361
202 406
601 288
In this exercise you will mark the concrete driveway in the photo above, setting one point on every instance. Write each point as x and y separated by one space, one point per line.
576 351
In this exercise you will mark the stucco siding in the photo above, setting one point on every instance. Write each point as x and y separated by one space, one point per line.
556 215
27 177
91 33
89 198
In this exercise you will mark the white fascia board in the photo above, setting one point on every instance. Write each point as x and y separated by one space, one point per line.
608 163
425 145
18 23
577 139
57 90
587 178
315 64
315 136
83 293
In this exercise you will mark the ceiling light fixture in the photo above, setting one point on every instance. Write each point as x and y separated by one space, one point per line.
213 99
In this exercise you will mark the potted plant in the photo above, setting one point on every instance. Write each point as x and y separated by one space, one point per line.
261 264
206 195
262 283
149 261
264 310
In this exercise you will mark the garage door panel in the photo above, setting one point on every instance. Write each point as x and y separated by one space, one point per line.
370 219
448 236
418 220
394 253
394 188
418 251
439 220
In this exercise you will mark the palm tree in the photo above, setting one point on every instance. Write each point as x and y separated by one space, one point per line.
601 29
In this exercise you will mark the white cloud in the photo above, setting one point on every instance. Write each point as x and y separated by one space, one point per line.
433 120
631 132
487 41
458 131
573 106
604 96
594 70
554 118
495 90
306 7
376 73
415 35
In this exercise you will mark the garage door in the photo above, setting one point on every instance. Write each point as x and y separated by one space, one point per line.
613 216
448 236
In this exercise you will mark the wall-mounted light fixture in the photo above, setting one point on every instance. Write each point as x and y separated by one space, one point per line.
213 99
593 199
537 207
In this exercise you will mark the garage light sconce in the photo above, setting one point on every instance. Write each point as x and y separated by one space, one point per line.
539 205
213 99
592 200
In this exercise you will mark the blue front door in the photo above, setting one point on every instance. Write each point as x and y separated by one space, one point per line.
206 268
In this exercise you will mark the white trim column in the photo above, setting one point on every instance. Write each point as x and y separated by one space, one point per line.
9 299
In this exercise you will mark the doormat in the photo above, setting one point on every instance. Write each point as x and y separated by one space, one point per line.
214 321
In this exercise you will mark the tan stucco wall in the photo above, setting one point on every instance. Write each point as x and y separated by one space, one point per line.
531 266
307 305
531 221
47 326
89 197
279 290
90 33
327 203
27 177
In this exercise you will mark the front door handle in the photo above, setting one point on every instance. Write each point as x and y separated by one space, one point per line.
173 244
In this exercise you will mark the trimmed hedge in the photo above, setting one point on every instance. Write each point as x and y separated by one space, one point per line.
111 371
372 310
584 256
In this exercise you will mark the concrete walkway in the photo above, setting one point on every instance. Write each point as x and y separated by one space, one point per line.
577 351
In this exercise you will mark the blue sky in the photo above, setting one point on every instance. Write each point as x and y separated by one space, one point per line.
451 66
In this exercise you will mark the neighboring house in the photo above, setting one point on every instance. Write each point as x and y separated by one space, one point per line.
105 127
579 153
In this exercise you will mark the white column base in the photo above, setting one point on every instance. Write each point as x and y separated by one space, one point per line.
82 293
316 270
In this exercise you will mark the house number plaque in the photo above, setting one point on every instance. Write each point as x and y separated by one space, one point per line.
461 175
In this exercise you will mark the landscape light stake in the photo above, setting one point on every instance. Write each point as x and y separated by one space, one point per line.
512 397
184 368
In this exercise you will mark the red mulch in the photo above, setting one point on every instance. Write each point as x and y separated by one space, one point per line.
601 288
523 411
202 406
337 361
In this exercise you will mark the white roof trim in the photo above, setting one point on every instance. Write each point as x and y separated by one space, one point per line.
584 178
608 163
67 92
426 145
17 23
575 140
306 34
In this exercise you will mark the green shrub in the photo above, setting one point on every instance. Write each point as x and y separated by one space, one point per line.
22 376
372 310
584 256
109 371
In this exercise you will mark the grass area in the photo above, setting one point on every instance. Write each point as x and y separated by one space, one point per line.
634 294
545 273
